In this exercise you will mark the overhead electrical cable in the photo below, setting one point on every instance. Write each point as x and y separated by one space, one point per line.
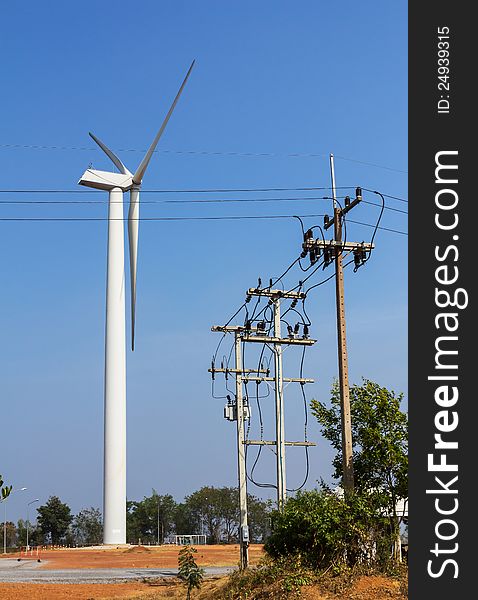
166 219
201 191
182 191
209 153
195 201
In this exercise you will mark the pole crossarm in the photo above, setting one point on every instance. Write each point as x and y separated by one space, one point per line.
260 339
285 379
258 377
232 328
275 293
344 246
273 443
222 370
263 339
348 204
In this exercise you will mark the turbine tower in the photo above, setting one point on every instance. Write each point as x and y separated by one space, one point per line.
114 490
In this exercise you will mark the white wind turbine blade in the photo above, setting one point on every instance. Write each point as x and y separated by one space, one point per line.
138 176
111 155
133 227
133 214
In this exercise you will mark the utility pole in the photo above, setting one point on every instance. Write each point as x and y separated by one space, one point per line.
279 402
241 457
277 342
347 453
333 250
240 414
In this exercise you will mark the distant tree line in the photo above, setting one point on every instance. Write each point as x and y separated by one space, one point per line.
211 511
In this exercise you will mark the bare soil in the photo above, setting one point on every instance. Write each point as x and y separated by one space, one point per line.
364 588
141 557
47 591
373 587
138 557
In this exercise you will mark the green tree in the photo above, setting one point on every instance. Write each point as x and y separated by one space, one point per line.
227 499
11 531
142 518
259 518
185 522
88 527
35 535
215 512
380 443
133 533
54 519
189 572
22 532
206 507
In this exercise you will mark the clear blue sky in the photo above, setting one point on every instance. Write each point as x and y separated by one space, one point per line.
271 77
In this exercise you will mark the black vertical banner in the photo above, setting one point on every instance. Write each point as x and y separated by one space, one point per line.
443 404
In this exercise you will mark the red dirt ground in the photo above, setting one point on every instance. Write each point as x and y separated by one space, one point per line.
141 557
40 591
365 588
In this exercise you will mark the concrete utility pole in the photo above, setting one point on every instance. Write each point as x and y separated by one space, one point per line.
277 342
279 402
240 414
241 457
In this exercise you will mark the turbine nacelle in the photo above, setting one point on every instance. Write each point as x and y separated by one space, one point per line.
104 180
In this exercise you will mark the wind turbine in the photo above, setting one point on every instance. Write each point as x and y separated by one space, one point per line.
114 490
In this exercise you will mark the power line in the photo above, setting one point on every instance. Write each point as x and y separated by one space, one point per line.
369 164
178 191
194 201
166 219
209 153
378 227
386 195
200 191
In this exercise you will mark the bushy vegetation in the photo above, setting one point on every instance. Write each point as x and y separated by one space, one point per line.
380 445
327 530
272 579
285 578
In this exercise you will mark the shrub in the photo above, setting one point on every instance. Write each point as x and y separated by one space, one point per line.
326 530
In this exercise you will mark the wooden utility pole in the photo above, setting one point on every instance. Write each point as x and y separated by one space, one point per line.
333 251
347 452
